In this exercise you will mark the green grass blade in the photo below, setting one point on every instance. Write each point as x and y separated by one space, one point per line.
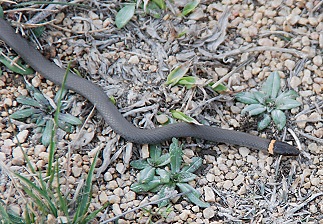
43 193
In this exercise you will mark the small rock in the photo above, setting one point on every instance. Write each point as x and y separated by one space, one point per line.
17 161
295 81
2 156
8 143
266 42
44 156
17 153
209 194
36 81
133 59
253 160
77 171
113 199
306 41
145 151
301 121
315 181
120 168
244 151
8 102
317 60
209 213
221 71
210 177
227 184
21 136
116 209
112 185
107 176
238 180
184 215
103 197
38 149
162 118
289 64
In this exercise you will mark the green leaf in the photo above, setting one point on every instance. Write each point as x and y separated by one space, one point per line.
164 175
272 85
155 152
58 94
279 118
165 191
188 81
1 12
28 101
46 138
154 10
163 160
20 69
178 73
261 97
247 98
69 128
253 109
70 119
193 195
189 7
194 165
183 117
287 103
185 176
175 151
161 4
146 175
41 99
140 187
21 114
290 94
219 88
38 31
139 164
125 15
264 122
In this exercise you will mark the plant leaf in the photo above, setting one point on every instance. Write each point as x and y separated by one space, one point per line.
183 117
28 101
185 176
139 164
68 118
219 88
291 94
146 175
163 160
261 97
21 114
164 175
164 192
175 151
272 85
279 118
194 165
189 7
247 98
46 137
176 74
155 152
22 69
253 109
41 99
161 4
193 195
124 15
188 81
264 122
139 187
287 103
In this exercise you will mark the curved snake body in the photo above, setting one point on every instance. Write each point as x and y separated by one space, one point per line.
115 119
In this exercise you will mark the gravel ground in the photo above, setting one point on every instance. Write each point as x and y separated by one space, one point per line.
132 65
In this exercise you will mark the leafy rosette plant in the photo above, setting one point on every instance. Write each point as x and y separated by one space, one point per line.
269 102
164 181
41 111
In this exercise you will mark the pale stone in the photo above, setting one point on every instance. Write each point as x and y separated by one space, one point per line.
133 59
112 185
107 176
162 118
295 82
209 194
289 64
266 42
227 184
17 153
244 151
22 136
8 102
253 160
76 171
103 197
238 180
209 212
116 209
317 60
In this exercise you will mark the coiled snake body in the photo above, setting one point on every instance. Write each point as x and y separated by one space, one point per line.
115 119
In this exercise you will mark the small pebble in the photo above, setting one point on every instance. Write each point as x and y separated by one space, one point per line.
209 212
133 59
209 194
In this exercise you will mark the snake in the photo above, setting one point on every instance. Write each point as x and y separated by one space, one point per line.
121 125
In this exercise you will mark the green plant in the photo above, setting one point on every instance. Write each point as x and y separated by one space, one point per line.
151 7
165 181
41 111
269 102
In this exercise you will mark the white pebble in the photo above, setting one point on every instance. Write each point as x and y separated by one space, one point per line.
295 81
244 151
317 60
209 194
21 136
76 171
209 213
134 59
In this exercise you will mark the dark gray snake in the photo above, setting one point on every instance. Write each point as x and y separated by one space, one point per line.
115 119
